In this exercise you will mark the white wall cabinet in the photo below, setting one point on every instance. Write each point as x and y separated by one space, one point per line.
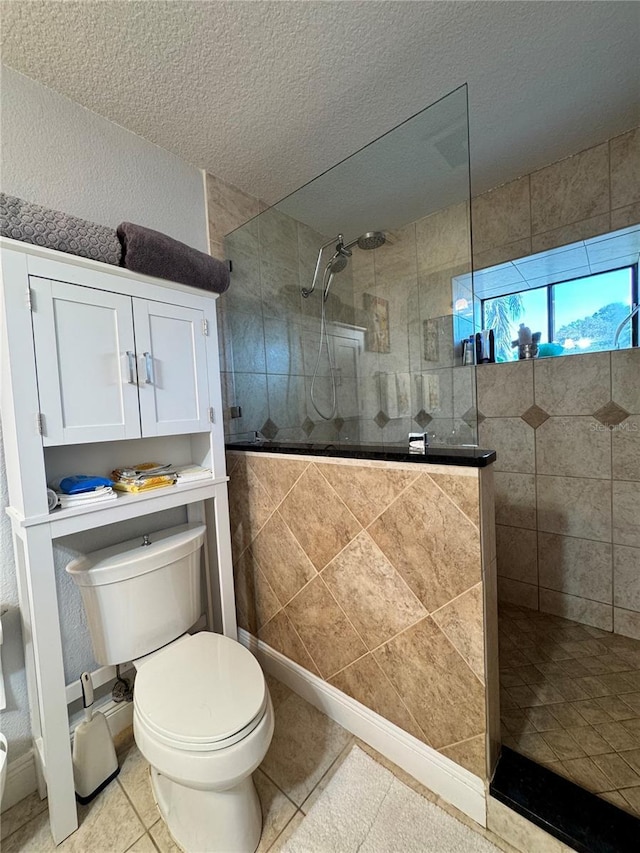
112 366
100 367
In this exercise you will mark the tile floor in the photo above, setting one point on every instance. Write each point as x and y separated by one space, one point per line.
570 700
306 751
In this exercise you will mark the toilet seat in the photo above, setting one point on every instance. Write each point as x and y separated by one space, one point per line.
202 694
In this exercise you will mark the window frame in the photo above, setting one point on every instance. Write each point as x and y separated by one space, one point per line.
635 300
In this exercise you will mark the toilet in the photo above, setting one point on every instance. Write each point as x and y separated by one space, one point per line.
202 714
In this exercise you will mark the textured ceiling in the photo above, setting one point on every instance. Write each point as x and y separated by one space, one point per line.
269 94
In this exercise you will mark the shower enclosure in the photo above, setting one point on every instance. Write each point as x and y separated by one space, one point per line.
346 307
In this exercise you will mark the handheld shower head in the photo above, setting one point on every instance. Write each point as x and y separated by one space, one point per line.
337 263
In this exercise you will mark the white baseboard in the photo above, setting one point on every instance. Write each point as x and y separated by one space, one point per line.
21 780
21 773
444 777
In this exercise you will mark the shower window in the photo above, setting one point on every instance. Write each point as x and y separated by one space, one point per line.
580 315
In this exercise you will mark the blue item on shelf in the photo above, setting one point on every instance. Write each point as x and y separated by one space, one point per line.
78 483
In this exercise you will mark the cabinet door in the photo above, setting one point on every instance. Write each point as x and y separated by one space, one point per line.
85 358
172 368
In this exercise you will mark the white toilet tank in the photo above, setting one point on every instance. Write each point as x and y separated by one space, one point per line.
139 597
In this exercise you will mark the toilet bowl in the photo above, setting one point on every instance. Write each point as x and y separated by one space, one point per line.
202 714
203 719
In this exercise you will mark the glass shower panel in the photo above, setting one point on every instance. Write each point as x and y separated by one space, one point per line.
369 355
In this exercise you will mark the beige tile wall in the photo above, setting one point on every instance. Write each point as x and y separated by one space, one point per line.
593 192
352 570
269 333
568 471
567 484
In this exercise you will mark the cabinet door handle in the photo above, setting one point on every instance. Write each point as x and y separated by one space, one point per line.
131 357
148 368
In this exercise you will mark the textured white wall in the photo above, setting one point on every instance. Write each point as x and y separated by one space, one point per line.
58 154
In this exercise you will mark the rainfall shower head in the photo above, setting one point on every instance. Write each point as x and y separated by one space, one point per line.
371 240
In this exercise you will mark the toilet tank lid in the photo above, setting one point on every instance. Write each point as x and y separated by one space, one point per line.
132 558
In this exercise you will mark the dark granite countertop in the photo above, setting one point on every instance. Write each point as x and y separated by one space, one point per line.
473 457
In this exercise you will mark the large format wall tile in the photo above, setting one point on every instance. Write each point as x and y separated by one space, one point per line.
622 217
516 592
248 342
443 239
461 621
578 609
324 629
573 385
570 190
321 534
626 577
502 215
514 442
625 446
625 384
505 390
576 566
366 491
470 754
249 506
227 207
367 683
277 479
575 506
517 553
371 592
422 662
415 533
626 513
625 168
567 234
251 394
573 447
280 634
463 491
256 602
515 499
282 560
626 622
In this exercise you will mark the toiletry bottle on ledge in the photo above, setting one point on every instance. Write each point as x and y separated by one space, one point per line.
485 347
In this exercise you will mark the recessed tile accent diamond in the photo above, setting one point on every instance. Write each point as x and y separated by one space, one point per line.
381 419
470 417
481 417
611 415
535 416
338 423
269 429
308 425
423 418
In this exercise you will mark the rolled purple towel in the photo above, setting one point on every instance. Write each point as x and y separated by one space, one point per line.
153 253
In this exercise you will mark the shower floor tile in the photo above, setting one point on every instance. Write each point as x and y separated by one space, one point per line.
573 701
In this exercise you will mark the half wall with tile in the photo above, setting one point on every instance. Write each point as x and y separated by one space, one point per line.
567 435
370 575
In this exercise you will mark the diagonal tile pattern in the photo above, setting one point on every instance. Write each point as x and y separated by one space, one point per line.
415 533
571 701
340 572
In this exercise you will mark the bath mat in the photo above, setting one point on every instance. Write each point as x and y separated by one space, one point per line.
365 809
